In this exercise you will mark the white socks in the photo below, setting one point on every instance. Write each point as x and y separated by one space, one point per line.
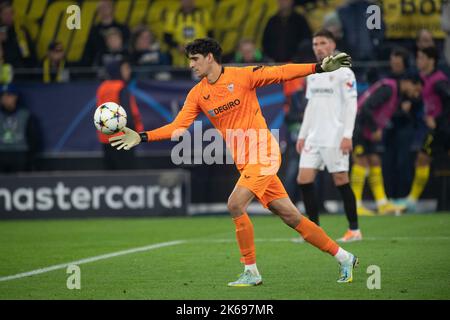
252 268
342 255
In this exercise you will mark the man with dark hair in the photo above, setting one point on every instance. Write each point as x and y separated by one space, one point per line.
436 97
204 47
399 62
375 109
325 138
227 96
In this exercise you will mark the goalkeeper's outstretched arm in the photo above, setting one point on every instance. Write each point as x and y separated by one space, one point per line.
265 75
182 121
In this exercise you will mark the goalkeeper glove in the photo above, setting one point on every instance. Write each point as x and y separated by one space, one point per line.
127 140
332 63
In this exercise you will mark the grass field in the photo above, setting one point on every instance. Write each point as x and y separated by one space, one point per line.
412 251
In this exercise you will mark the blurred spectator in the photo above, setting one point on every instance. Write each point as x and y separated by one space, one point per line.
54 64
115 89
332 23
437 100
145 49
424 39
6 70
19 139
115 49
285 32
436 96
96 43
445 22
18 48
398 63
400 133
184 25
359 41
248 53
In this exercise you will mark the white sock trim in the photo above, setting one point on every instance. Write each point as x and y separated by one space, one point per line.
252 268
342 255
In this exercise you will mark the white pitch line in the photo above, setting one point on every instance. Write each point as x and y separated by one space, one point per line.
92 259
172 243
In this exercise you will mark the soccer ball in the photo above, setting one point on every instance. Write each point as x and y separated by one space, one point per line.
110 118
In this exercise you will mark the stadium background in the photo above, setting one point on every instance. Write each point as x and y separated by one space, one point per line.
69 181
69 139
233 19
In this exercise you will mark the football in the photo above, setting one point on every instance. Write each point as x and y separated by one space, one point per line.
110 118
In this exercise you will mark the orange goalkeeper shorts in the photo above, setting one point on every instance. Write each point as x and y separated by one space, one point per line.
266 188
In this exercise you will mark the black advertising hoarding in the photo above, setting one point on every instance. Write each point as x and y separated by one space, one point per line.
95 194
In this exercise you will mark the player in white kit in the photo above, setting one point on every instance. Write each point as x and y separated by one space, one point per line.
325 137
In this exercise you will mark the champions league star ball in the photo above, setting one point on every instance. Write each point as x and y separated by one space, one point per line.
110 118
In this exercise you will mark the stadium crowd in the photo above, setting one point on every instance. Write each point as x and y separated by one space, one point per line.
286 38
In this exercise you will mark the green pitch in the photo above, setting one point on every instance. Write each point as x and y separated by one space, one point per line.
412 252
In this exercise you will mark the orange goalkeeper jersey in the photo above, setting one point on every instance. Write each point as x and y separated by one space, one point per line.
232 107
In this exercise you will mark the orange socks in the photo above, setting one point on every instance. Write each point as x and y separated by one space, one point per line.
309 231
245 238
315 235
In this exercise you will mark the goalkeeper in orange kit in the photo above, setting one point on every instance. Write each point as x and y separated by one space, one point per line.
227 96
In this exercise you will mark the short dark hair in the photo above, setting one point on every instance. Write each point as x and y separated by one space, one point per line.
414 77
325 33
204 46
431 53
402 53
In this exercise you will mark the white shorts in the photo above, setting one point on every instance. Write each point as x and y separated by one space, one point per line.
319 157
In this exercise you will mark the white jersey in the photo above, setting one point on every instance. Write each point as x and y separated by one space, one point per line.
331 110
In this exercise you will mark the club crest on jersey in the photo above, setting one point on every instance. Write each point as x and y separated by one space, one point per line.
230 87
350 85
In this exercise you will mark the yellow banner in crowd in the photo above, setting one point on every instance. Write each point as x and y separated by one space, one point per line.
404 18
233 20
